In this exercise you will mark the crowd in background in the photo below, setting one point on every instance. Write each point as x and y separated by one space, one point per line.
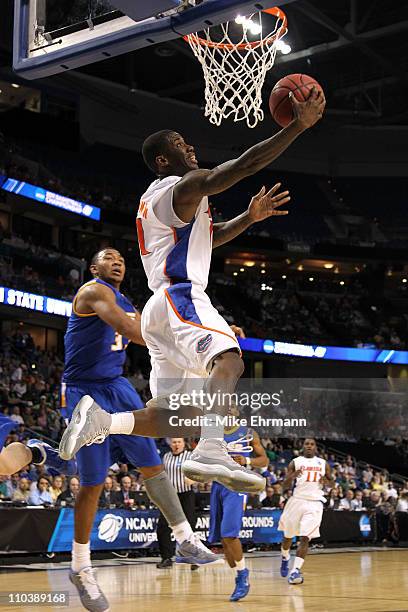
29 395
293 310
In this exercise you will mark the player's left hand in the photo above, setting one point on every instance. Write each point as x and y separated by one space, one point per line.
264 204
239 459
238 331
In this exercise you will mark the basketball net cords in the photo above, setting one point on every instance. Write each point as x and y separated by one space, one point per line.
234 77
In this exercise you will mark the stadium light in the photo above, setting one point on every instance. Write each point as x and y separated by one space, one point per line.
248 23
283 47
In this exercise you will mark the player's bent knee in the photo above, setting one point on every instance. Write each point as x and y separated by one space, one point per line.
151 470
5 467
232 362
13 458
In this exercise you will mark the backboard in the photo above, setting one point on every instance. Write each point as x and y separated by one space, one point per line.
52 36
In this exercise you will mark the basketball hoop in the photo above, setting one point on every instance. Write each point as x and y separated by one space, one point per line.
235 58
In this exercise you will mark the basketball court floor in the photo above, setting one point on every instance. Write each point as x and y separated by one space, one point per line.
342 581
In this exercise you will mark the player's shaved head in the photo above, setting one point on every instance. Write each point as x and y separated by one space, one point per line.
156 144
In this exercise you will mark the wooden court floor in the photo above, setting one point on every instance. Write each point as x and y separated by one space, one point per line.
355 581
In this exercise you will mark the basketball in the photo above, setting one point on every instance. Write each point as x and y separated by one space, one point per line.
279 102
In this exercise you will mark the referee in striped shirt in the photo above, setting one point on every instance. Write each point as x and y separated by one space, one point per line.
173 461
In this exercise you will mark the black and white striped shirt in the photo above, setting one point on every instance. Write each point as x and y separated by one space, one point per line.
172 465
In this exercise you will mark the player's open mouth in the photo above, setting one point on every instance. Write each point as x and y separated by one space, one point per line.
193 159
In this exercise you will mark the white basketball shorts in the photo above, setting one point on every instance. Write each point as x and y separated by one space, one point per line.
301 517
184 333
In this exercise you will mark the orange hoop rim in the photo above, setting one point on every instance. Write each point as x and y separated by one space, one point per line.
275 11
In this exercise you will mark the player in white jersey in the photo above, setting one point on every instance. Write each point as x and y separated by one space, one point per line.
303 512
185 334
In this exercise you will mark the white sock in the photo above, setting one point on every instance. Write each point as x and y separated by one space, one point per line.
240 565
182 532
122 423
81 556
298 563
212 426
285 554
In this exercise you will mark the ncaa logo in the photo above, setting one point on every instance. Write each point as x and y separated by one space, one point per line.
204 343
109 527
87 210
365 526
40 195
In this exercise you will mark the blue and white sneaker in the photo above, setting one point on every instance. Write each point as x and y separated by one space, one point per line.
296 577
52 460
284 568
241 585
194 552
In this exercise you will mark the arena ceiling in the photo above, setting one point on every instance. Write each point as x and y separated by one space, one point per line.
357 49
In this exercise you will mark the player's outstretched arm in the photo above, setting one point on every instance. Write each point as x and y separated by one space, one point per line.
99 299
263 205
290 476
327 480
189 191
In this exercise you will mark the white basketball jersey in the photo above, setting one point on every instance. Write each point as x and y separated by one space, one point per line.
170 254
308 486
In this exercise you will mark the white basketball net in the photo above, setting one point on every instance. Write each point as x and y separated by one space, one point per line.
235 70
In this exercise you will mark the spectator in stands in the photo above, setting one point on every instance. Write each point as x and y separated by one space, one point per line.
19 388
368 474
374 500
41 494
16 416
68 497
12 485
346 502
17 373
391 491
402 504
333 500
42 421
107 497
357 503
56 488
22 493
273 497
125 498
3 487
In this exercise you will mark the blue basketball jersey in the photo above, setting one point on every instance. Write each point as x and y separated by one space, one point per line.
93 350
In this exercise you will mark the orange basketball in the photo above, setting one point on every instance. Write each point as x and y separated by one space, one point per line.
279 102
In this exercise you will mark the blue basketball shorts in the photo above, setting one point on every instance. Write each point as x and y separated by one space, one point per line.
6 426
226 512
113 396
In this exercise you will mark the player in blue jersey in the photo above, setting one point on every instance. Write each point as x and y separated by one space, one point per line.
227 507
102 324
17 455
